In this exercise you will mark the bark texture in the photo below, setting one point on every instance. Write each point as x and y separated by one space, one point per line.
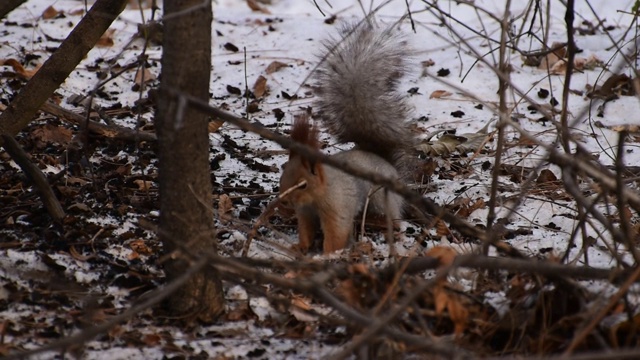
58 67
186 215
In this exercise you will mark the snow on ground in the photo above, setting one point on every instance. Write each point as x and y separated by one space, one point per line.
291 35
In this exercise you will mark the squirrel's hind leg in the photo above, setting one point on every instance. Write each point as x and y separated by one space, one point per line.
307 227
337 232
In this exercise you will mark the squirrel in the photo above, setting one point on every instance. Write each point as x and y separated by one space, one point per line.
358 101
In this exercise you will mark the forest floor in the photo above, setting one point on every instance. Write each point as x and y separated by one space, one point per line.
58 279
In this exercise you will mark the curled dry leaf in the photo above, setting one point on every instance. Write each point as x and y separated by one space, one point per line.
260 86
51 134
546 175
106 40
254 6
214 126
225 205
275 66
438 94
301 302
628 128
140 246
143 185
143 76
445 255
50 13
468 207
615 85
427 63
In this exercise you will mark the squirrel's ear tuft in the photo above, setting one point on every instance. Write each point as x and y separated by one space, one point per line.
305 133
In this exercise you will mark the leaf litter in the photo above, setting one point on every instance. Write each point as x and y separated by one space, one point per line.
58 279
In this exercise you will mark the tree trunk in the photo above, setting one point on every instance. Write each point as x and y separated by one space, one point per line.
186 214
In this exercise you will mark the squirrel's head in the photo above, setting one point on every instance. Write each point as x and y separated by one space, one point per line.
302 181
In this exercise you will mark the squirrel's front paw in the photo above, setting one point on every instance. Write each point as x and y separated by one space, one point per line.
300 248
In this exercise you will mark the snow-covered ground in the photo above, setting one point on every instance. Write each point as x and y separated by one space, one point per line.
290 34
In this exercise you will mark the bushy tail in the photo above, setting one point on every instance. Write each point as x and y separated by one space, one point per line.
358 97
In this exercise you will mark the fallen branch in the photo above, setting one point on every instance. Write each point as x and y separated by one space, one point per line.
58 67
109 131
36 176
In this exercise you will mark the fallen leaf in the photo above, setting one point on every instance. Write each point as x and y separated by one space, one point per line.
143 185
275 66
214 126
106 40
225 205
151 339
140 246
143 75
438 94
260 86
546 175
51 134
50 13
300 302
445 255
254 6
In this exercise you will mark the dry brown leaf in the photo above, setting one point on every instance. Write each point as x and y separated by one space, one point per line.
479 204
275 66
48 134
549 61
438 94
629 128
106 40
143 75
469 207
241 312
445 255
140 246
225 205
260 87
301 302
50 13
133 255
427 63
140 4
214 126
546 175
143 185
151 339
77 12
254 6
72 180
559 68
